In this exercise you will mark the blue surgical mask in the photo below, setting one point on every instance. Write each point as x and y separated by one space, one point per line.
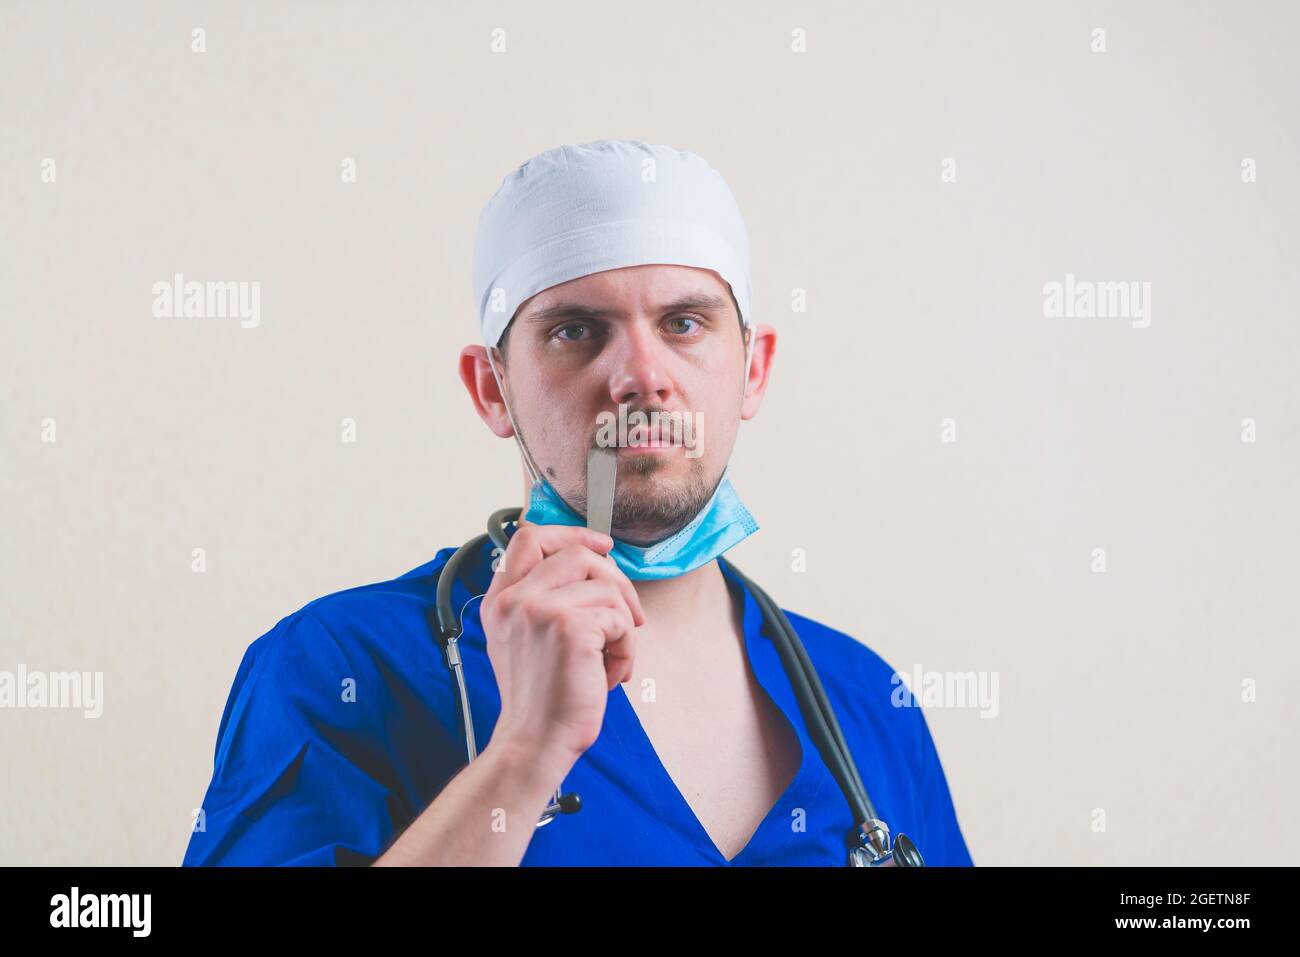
722 523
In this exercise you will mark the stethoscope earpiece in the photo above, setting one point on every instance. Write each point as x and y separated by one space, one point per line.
570 803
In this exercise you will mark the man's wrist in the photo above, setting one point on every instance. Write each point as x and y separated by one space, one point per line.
533 770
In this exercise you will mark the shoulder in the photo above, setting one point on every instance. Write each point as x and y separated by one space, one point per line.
841 649
411 592
382 611
865 688
844 660
353 632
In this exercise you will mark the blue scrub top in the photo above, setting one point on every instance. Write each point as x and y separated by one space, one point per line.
342 725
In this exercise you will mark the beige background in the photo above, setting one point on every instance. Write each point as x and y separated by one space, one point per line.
1120 691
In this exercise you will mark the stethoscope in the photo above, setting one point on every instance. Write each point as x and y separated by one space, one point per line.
868 843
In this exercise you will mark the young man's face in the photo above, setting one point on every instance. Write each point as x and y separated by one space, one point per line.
656 338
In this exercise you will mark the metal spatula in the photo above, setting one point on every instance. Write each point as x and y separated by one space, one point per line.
602 474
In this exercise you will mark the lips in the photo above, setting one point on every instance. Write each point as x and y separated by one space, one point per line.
653 441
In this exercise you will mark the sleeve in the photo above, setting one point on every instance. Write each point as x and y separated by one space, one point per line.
944 844
300 777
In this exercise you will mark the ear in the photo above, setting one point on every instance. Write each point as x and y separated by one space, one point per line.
476 373
760 367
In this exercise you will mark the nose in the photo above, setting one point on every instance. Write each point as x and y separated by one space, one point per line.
639 372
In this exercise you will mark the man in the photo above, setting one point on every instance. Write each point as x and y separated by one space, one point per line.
636 670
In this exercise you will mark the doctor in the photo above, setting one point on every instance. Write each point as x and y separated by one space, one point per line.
633 670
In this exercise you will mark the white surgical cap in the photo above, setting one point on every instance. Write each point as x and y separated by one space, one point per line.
581 209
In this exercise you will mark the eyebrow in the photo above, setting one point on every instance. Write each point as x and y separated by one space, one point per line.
578 310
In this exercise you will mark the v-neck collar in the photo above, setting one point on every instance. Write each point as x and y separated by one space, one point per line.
766 665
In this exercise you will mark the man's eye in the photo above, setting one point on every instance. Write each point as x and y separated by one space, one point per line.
684 319
572 325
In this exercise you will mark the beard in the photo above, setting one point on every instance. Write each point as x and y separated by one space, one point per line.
650 509
649 505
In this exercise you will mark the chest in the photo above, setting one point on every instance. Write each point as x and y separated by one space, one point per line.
728 749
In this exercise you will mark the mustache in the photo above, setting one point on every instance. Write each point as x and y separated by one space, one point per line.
648 413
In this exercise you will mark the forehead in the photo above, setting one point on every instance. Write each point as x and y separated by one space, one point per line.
631 287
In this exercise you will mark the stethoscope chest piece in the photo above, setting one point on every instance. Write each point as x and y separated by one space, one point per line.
872 848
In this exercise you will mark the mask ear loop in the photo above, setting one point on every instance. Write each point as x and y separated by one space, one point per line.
529 465
744 383
749 355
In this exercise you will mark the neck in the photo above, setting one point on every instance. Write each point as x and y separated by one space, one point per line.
677 606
